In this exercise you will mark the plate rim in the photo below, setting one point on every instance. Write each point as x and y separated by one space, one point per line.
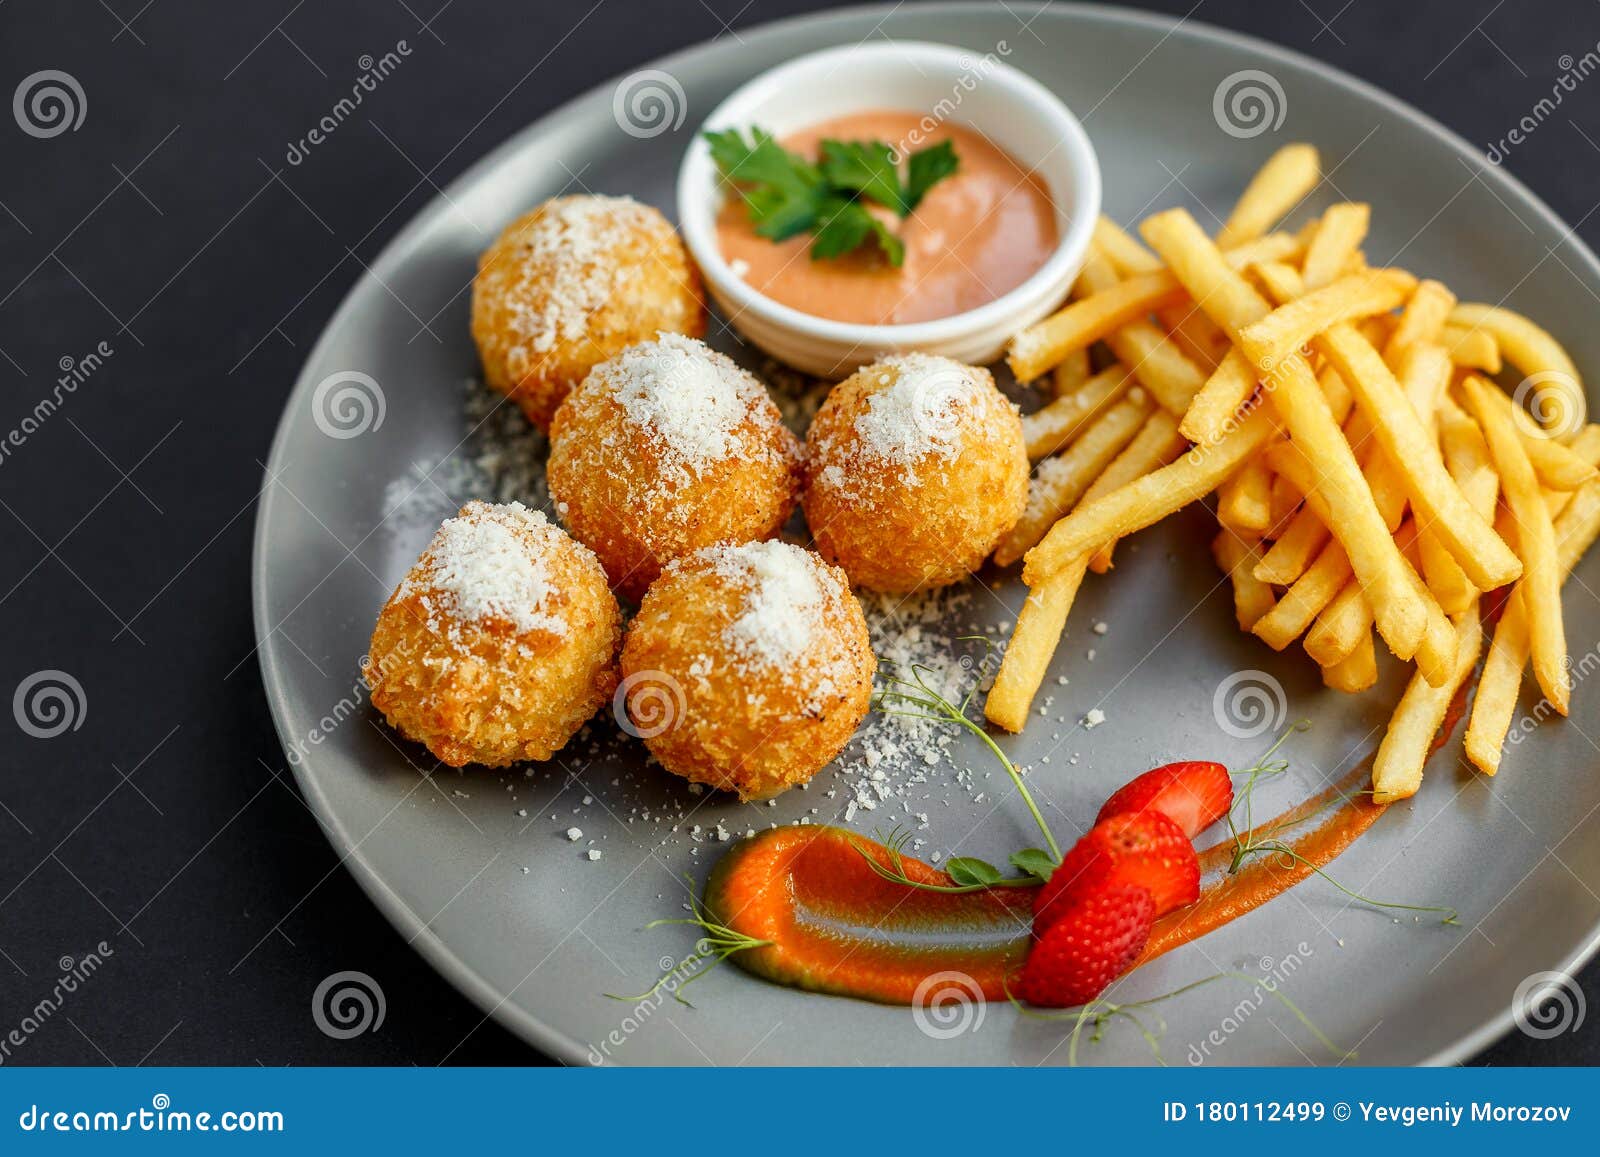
440 956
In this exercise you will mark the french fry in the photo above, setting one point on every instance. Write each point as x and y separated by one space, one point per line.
1557 466
1586 447
1541 583
1496 701
1058 483
1284 506
1044 612
1357 671
1094 316
1212 411
1033 643
1195 334
1421 321
1401 616
1051 427
1450 585
1534 352
1149 499
1397 768
1388 492
1074 370
1287 328
1414 453
1471 349
1237 558
1087 320
1153 357
1244 502
1277 187
1303 601
1435 648
1466 453
1158 364
1338 237
1157 444
1289 556
1122 249
1424 371
1340 627
1281 281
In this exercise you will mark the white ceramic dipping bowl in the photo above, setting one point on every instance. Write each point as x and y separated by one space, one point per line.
979 90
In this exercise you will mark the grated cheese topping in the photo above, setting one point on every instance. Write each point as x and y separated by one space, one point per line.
488 563
567 261
685 397
784 600
918 412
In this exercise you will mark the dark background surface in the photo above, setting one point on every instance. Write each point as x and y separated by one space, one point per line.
169 227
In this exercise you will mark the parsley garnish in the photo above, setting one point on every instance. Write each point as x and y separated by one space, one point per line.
786 194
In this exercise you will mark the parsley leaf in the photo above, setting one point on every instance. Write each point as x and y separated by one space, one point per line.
786 195
927 168
1035 862
966 870
844 225
866 167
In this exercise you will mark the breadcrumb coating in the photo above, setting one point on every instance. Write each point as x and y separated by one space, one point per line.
572 283
499 643
915 469
747 667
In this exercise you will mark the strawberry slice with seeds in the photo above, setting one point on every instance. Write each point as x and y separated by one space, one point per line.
1144 849
1194 793
1094 941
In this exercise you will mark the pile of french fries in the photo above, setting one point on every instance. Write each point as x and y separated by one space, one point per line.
1368 476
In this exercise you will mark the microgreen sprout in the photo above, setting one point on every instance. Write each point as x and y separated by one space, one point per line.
977 874
1248 841
718 943
912 696
1098 1013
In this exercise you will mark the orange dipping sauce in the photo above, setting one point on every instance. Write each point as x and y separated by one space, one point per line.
977 235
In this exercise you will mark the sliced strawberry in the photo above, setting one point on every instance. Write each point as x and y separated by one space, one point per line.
1194 793
1094 942
1145 849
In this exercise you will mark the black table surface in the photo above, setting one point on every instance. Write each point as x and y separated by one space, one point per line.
167 231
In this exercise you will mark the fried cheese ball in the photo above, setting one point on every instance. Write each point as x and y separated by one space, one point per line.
747 667
916 467
665 448
572 283
499 643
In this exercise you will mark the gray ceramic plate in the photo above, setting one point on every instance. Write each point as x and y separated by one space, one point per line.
522 922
